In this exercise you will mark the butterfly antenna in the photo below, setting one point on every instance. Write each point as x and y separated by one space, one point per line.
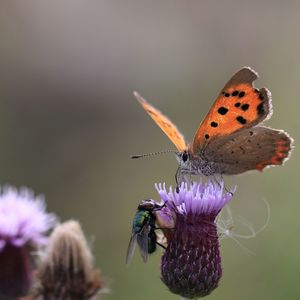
152 154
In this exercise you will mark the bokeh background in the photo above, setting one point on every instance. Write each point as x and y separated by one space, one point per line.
69 122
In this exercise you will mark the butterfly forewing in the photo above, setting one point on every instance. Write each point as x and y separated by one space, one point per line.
164 123
249 149
238 106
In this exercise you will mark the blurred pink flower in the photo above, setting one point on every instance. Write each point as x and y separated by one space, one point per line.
24 224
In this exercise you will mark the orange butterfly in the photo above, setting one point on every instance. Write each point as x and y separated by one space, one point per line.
228 141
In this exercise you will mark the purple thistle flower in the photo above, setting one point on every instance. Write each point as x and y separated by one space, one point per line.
191 264
23 225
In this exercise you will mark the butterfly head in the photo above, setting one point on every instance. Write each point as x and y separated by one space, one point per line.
184 158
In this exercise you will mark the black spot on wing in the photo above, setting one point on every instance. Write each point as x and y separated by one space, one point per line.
261 97
260 109
222 110
241 120
279 159
242 94
243 150
214 124
245 107
151 112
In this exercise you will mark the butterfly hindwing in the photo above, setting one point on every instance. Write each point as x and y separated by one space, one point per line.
164 123
239 105
249 149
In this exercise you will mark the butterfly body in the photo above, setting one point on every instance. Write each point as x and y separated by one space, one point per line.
194 165
230 140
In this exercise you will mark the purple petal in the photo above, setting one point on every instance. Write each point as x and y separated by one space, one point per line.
23 217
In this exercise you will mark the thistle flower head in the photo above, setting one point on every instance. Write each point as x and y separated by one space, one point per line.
67 268
191 264
23 218
23 225
195 198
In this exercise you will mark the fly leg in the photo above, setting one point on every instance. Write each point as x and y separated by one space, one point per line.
161 245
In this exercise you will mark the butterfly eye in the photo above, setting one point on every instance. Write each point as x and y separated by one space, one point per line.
184 156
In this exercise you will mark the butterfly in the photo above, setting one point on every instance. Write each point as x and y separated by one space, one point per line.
230 140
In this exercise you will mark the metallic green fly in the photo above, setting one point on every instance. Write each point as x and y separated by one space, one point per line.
143 230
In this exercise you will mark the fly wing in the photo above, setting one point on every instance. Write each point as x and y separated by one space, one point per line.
131 248
165 124
142 240
249 149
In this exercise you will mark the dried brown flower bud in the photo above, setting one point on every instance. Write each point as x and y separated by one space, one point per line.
66 270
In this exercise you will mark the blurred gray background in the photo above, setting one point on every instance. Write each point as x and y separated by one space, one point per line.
69 122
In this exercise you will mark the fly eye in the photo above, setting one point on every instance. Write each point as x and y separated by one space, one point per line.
184 156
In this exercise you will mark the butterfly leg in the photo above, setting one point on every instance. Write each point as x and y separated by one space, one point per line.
190 172
227 190
178 179
187 178
218 182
